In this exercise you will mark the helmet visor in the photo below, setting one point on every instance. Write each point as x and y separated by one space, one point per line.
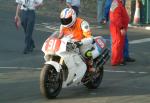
66 21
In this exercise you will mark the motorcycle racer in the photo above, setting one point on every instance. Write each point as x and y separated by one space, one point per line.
78 29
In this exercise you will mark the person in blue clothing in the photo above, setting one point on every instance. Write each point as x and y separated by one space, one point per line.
25 15
107 8
127 58
100 12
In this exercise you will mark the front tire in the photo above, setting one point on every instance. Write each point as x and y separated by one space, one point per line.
50 82
96 80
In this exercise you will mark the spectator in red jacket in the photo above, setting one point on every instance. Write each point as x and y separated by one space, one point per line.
119 20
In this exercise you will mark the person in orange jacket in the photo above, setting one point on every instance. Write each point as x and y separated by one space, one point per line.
78 29
119 20
72 25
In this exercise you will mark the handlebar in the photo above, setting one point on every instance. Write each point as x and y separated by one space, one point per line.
78 44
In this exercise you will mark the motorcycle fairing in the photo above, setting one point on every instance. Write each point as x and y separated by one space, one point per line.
56 65
51 45
76 69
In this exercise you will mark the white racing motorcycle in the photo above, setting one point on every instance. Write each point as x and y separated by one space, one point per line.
65 66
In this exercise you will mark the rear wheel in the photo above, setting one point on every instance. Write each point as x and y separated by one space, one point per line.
96 79
50 82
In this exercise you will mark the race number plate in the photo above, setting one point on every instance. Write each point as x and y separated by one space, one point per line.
51 45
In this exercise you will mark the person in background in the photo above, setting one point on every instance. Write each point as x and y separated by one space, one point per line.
127 58
100 12
25 14
107 9
74 4
119 20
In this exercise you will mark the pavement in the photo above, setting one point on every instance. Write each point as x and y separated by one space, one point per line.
19 73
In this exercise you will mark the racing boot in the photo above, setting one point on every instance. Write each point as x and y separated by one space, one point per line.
129 59
90 66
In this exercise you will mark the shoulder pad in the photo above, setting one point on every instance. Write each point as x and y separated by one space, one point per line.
85 26
114 5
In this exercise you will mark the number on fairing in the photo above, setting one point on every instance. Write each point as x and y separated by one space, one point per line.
52 44
100 43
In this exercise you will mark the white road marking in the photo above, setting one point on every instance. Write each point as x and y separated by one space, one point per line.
130 72
147 28
139 41
111 71
40 29
20 68
42 24
53 28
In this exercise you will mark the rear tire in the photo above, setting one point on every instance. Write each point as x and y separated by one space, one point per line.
50 82
96 81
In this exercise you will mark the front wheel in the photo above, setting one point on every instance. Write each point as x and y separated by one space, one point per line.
50 81
96 79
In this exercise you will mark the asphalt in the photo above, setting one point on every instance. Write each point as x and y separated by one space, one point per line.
19 73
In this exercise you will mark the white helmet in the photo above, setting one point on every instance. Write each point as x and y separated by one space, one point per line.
67 17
